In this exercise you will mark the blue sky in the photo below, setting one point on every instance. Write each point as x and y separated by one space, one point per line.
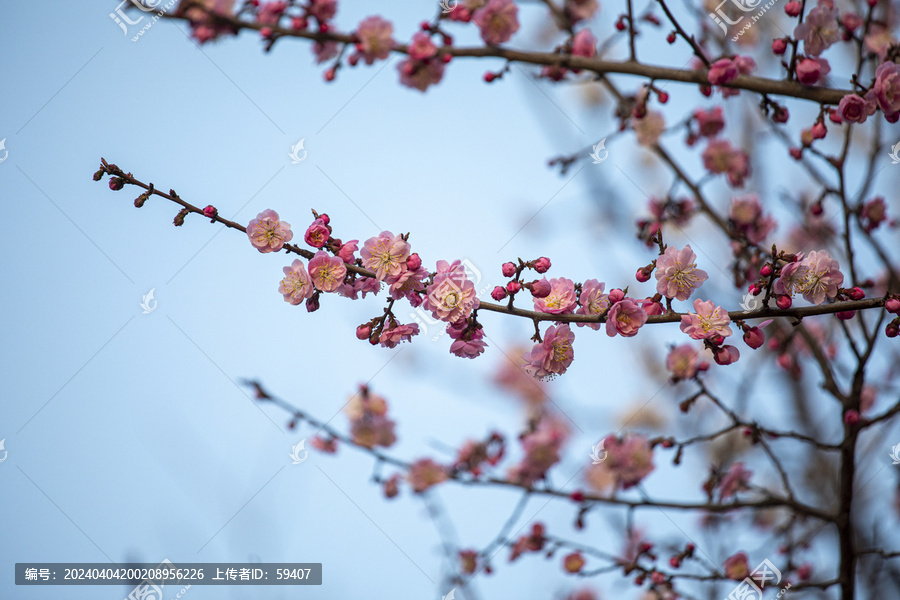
128 437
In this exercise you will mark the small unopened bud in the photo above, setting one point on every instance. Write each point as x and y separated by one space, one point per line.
414 261
766 271
116 183
779 46
363 332
540 288
726 355
542 265
210 211
783 302
139 201
643 274
509 269
513 287
754 289
312 304
616 295
179 218
851 417
498 293
792 8
892 305
99 174
819 131
856 293
754 337
892 329
845 315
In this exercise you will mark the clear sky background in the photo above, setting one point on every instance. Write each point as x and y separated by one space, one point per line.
128 436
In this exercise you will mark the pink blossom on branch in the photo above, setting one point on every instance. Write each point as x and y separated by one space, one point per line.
296 285
497 20
327 272
683 362
708 322
467 343
721 157
625 318
375 39
268 233
819 30
561 299
630 459
451 296
592 301
821 277
385 255
677 274
886 88
552 356
391 337
425 473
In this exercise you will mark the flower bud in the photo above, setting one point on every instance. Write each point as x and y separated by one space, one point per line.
513 287
792 8
779 46
845 315
892 329
766 271
755 289
573 562
540 288
784 302
819 130
892 305
615 295
642 275
754 337
210 211
498 293
99 174
542 265
851 417
312 304
414 261
509 269
116 183
363 332
726 355
179 218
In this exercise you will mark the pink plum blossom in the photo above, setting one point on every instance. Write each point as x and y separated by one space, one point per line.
468 343
364 285
746 213
552 356
821 278
369 424
541 448
708 322
887 87
737 566
592 301
323 10
811 71
791 279
630 459
203 26
421 47
819 30
709 122
561 299
385 255
408 285
375 39
625 318
677 274
324 51
296 285
267 233
856 109
584 44
683 362
721 157
497 20
419 74
391 337
347 251
737 478
327 271
451 296
317 234
425 473
649 128
722 71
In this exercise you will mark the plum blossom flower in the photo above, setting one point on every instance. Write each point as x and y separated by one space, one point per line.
625 318
347 250
649 128
721 157
267 233
819 30
375 39
327 271
323 10
821 277
737 478
425 473
552 356
683 362
203 27
420 74
541 448
737 566
421 47
677 274
324 51
270 12
746 213
630 459
408 285
593 301
451 296
385 255
561 299
722 71
317 234
810 71
391 337
708 322
584 44
468 343
887 87
364 285
296 285
369 424
497 20
709 122
791 279
856 109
